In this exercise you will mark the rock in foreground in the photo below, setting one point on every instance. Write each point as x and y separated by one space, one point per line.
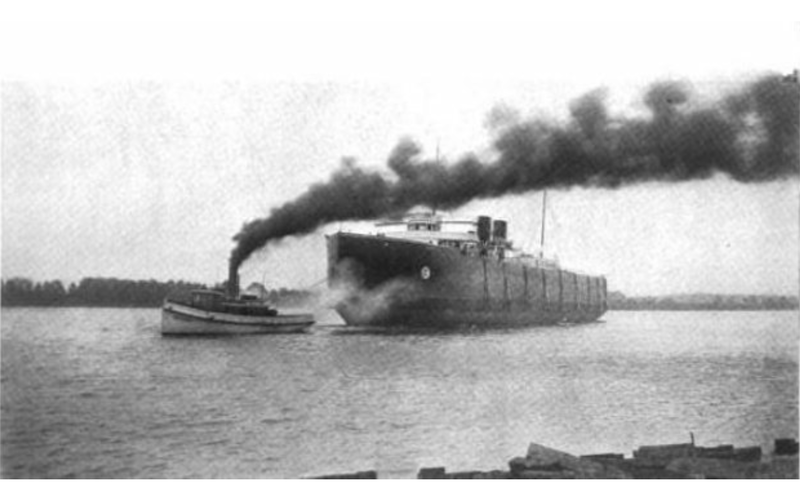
672 461
542 462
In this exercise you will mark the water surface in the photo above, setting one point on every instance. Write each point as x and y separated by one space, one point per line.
100 393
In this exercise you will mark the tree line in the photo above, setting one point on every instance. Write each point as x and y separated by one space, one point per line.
100 292
113 292
702 302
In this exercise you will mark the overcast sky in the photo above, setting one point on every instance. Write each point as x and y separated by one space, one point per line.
150 173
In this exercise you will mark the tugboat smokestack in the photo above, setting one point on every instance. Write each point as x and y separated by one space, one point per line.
233 279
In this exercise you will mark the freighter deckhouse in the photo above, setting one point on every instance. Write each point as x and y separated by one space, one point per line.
426 270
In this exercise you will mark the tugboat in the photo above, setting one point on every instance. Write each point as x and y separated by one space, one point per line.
211 312
425 270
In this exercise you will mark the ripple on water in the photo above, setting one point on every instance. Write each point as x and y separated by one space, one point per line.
99 393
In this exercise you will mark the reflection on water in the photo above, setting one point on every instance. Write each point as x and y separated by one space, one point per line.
99 393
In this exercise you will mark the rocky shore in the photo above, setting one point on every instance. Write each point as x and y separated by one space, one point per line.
674 461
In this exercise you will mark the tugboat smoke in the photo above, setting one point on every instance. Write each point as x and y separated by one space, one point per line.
751 134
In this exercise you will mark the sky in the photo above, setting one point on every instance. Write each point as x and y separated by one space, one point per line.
148 171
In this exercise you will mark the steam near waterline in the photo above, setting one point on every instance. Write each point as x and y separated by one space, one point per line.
365 305
750 134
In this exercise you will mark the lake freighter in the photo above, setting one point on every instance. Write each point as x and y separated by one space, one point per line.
429 271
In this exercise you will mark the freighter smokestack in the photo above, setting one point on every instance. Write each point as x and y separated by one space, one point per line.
233 279
484 228
499 231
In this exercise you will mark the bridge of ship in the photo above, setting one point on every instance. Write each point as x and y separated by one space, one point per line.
432 229
461 234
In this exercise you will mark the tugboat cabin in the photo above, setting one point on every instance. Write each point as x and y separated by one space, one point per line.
214 301
208 300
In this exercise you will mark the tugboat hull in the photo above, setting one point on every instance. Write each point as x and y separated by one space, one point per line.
180 319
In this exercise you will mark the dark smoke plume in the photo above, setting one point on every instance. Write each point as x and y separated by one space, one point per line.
751 135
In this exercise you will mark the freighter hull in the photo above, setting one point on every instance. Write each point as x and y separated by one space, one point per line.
394 282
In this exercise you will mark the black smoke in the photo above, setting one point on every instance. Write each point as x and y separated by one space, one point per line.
750 134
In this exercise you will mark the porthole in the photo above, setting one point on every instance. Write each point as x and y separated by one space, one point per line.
425 272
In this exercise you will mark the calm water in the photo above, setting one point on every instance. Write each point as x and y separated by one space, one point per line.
99 393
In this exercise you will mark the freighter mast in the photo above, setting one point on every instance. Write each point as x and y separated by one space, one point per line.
544 213
437 164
